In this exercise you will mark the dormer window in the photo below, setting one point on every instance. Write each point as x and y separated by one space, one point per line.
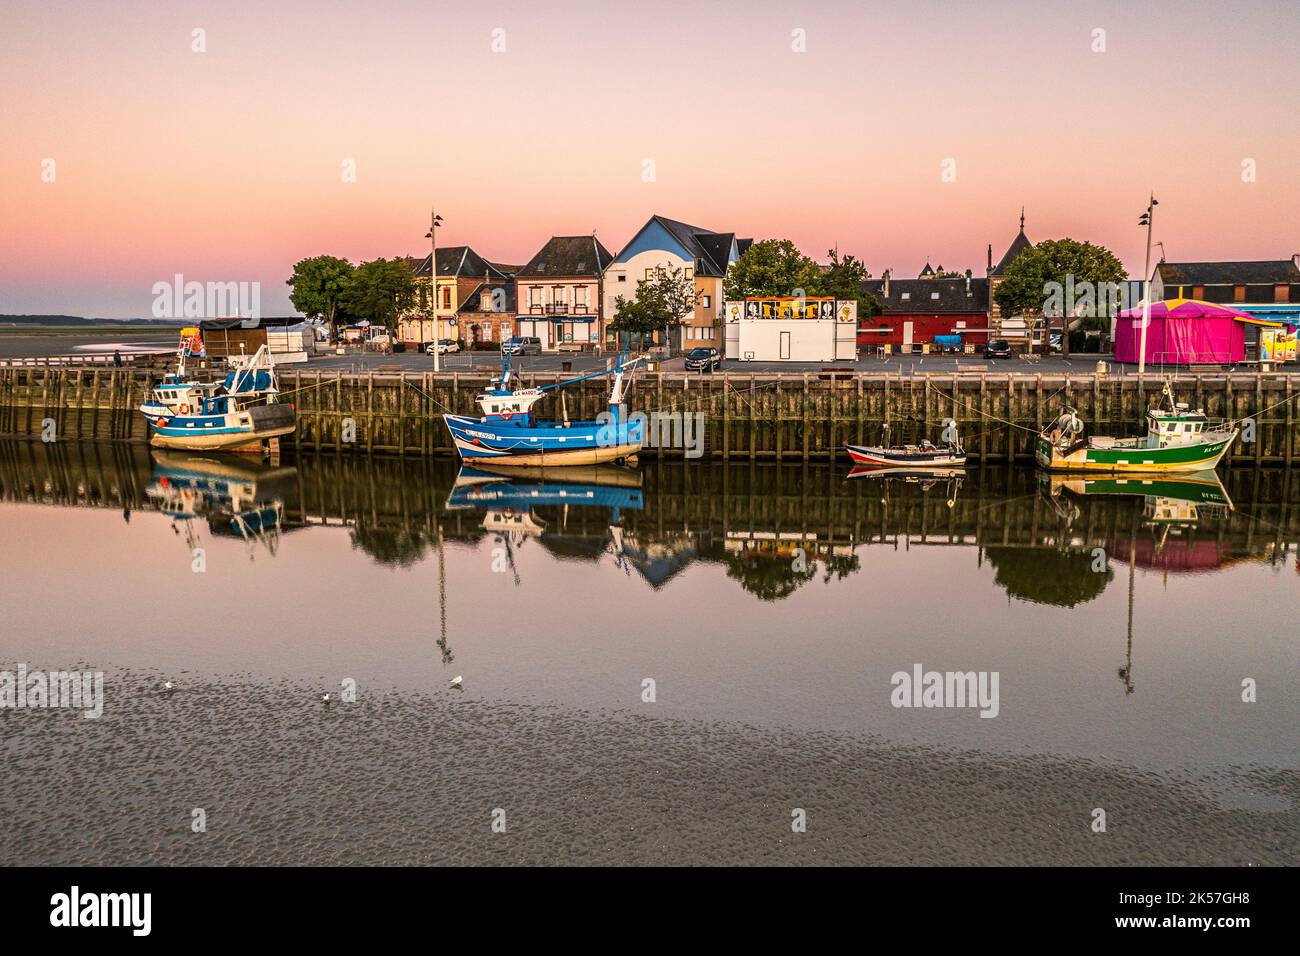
906 296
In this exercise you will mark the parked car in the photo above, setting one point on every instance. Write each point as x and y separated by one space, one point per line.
703 360
997 348
523 345
442 346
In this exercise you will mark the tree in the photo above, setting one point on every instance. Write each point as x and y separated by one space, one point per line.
844 279
380 290
659 304
1037 280
320 285
771 267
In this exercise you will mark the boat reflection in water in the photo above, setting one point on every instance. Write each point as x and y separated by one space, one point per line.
510 496
237 497
925 478
1173 507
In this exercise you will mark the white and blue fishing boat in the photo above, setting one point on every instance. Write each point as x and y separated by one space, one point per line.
508 434
239 414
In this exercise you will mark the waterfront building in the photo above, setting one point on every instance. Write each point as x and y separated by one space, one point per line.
1012 328
703 256
1267 289
914 311
791 329
487 315
434 315
558 294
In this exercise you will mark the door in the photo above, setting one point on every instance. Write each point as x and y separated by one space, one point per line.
907 336
785 345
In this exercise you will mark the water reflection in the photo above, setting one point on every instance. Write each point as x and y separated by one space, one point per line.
773 529
236 496
512 500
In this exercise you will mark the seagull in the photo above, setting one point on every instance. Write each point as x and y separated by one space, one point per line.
326 700
458 682
167 686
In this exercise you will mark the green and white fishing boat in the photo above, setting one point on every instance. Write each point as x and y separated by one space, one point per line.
1177 439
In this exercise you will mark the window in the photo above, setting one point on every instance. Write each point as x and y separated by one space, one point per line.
906 296
690 272
1238 293
534 295
485 302
581 295
706 302
446 296
934 295
622 277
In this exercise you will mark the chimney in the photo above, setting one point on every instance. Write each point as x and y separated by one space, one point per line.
886 277
968 282
990 258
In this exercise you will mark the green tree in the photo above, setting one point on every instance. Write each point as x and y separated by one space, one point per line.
1033 283
844 279
659 304
381 289
320 285
771 267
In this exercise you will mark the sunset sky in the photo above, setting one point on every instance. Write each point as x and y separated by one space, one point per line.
226 165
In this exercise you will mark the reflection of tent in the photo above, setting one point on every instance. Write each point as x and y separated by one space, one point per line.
1184 330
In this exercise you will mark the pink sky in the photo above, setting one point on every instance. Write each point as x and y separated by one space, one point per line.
226 165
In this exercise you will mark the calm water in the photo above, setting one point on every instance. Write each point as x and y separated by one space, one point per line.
1121 620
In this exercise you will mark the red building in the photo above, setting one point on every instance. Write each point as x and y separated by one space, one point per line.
916 310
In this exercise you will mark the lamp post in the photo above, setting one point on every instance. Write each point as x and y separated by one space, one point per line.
1147 219
432 235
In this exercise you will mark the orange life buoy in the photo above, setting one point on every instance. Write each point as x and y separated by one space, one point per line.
161 421
507 415
185 409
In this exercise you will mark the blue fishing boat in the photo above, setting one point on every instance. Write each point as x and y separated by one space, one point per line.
509 434
240 413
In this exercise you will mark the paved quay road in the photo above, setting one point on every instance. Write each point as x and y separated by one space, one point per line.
357 361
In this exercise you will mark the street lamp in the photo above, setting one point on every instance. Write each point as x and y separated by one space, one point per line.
1147 219
432 235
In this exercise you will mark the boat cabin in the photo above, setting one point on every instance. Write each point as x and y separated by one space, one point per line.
507 405
1178 427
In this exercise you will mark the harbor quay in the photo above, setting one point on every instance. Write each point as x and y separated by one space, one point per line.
727 415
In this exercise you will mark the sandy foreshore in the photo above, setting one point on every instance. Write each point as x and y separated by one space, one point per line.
414 779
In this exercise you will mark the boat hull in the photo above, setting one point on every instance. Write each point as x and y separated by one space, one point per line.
579 443
900 458
1133 458
244 430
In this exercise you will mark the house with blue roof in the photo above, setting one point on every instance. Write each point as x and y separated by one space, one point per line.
703 256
